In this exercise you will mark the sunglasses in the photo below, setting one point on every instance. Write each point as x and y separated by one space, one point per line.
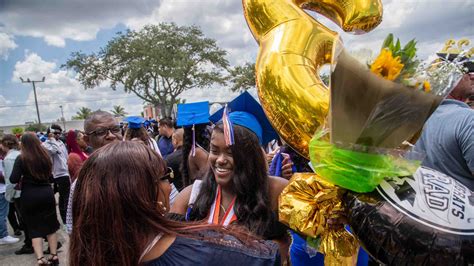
169 176
102 131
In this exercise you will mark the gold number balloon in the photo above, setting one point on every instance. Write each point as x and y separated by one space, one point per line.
293 47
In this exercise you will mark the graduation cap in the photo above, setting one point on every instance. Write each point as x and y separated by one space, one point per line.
147 123
135 122
192 114
247 112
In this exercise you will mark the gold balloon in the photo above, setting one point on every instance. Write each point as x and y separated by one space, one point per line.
293 47
449 47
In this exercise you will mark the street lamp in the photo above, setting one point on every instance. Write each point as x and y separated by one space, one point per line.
34 90
62 117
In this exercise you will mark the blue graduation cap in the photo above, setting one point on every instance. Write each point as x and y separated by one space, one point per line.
192 114
247 112
135 122
147 123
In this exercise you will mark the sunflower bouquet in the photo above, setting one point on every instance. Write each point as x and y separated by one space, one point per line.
399 64
394 62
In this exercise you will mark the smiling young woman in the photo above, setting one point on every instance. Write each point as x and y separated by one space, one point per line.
237 188
239 174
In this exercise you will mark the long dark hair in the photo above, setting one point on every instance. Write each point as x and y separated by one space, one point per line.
35 158
202 139
115 212
250 184
139 133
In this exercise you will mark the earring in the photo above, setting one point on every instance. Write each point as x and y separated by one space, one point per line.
162 208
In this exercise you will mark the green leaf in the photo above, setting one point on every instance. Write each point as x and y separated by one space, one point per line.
410 49
388 41
397 47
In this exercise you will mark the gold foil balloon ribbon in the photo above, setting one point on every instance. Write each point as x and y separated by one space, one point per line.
293 48
306 204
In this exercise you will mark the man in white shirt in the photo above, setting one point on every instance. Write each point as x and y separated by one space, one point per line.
100 128
58 153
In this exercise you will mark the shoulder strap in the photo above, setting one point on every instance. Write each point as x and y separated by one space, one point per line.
192 198
199 146
154 146
195 191
150 246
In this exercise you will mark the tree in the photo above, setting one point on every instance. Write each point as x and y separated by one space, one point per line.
157 63
17 130
242 77
36 128
118 111
82 114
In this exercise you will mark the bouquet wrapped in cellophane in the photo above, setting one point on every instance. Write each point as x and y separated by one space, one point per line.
377 112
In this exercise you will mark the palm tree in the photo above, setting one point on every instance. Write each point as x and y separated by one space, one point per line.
118 111
82 114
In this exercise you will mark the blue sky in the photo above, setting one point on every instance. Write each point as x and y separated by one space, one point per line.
58 55
18 96
36 38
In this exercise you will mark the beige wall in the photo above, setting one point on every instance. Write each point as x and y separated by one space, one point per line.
74 124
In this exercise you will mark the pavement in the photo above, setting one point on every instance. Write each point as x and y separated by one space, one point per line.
8 256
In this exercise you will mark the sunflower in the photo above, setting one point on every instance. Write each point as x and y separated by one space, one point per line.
426 86
386 66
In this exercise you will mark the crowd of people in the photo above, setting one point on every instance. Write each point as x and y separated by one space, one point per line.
184 194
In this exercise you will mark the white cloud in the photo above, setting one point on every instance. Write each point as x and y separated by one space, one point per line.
56 40
396 12
4 101
222 20
32 67
59 88
6 45
79 20
430 22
